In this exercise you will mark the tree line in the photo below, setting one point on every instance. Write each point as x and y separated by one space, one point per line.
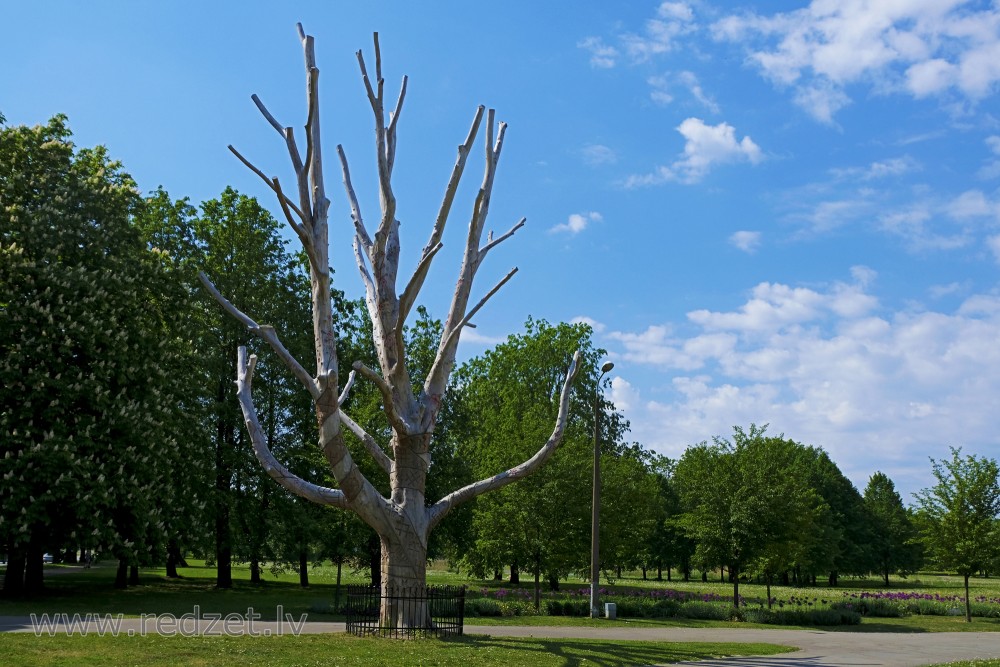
121 433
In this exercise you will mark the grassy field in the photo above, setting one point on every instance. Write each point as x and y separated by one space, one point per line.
344 650
74 590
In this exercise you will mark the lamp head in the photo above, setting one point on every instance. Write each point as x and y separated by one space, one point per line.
607 367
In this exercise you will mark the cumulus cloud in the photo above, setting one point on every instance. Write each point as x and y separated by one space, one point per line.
746 241
878 389
922 48
577 222
705 146
623 394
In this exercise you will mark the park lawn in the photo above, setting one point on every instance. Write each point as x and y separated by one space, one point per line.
75 590
23 650
993 662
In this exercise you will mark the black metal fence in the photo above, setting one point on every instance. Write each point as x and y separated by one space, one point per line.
423 611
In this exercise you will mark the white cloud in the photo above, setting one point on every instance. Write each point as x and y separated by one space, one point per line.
602 56
895 166
598 327
660 34
577 222
878 390
970 204
746 241
472 337
623 394
991 168
920 48
690 81
705 146
913 225
598 154
993 243
660 89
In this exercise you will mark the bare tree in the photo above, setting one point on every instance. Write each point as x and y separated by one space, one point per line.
405 519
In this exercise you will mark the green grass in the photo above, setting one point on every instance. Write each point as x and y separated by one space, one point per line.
341 650
995 662
91 591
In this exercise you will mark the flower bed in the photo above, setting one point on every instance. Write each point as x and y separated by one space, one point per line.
847 609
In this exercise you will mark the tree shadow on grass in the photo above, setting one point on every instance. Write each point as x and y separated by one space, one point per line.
579 652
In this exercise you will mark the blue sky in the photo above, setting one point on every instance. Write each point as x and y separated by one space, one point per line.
785 213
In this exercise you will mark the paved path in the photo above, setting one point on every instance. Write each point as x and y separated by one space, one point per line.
816 647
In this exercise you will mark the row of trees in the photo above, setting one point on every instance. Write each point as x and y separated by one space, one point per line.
121 430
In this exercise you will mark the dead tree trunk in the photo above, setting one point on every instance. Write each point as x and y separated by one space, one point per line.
404 519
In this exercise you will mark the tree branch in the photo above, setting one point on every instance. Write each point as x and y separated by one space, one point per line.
482 302
266 333
346 391
409 296
279 473
377 453
397 421
492 243
352 197
267 180
441 508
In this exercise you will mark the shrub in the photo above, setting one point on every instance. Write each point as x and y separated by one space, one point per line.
876 608
839 616
647 608
482 607
568 608
703 611
517 608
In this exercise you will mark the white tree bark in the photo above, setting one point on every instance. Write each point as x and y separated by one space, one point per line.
404 519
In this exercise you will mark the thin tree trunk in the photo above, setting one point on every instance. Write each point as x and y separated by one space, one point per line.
13 579
734 574
768 579
885 573
255 571
968 602
340 566
515 574
223 494
538 583
173 557
121 576
34 578
304 568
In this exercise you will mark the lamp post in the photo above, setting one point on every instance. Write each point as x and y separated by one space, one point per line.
595 512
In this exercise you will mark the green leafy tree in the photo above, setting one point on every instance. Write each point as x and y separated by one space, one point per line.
895 547
744 500
543 524
630 507
958 515
87 355
841 536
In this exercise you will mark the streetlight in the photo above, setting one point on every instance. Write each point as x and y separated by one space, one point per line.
595 513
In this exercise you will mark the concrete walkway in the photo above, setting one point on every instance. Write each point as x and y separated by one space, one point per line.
816 647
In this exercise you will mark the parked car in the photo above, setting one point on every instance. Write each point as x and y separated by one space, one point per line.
47 558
